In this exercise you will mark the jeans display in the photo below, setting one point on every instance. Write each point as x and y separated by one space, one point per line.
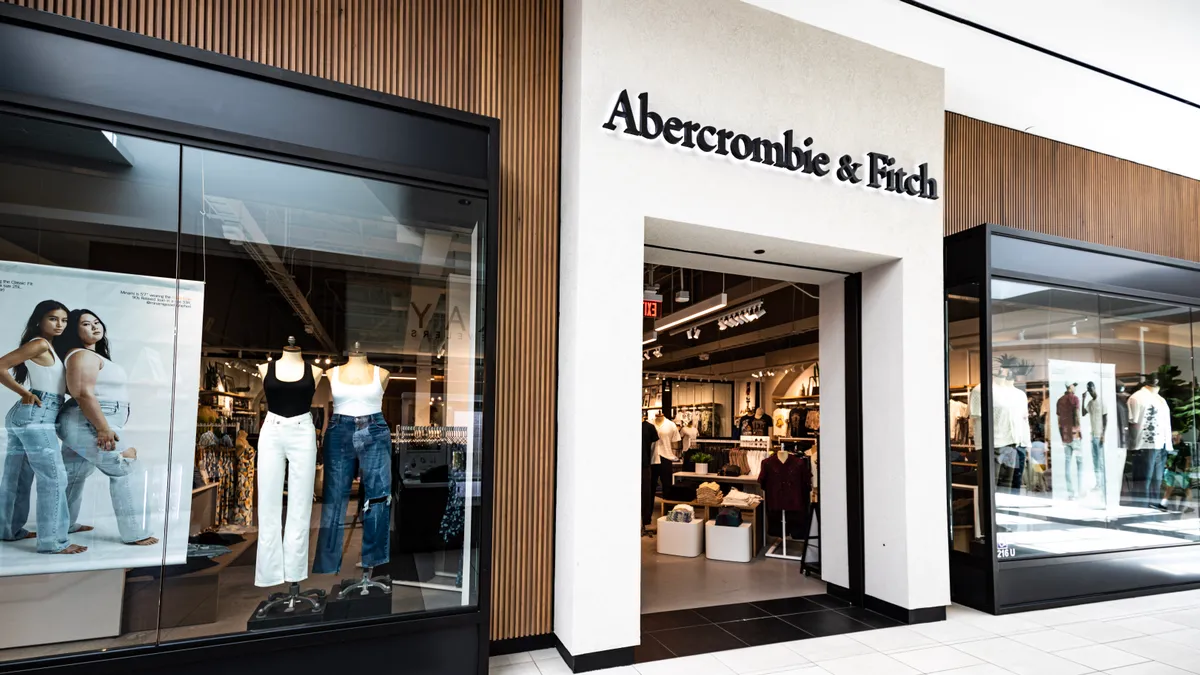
355 445
1148 468
33 453
1072 466
285 444
1009 467
1098 465
82 456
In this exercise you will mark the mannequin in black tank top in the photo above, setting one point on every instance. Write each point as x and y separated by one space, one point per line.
288 399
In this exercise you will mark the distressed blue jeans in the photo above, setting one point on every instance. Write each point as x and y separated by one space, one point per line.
82 456
365 442
33 454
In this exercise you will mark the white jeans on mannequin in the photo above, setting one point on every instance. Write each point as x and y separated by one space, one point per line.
283 552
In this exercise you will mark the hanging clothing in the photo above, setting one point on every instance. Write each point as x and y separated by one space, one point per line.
243 508
786 484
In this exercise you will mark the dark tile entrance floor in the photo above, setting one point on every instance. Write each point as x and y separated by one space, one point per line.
687 632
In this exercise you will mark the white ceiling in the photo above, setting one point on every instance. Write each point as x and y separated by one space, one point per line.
1156 42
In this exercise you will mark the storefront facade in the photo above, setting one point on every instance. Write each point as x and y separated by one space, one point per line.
664 135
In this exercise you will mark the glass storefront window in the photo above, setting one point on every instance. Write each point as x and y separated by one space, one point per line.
968 521
271 408
1091 421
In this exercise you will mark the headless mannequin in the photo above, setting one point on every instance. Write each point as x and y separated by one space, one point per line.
290 368
358 371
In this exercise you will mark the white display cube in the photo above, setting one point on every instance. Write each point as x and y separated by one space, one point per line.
682 539
723 542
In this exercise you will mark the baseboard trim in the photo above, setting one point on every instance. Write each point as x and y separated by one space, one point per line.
528 643
905 616
585 663
840 592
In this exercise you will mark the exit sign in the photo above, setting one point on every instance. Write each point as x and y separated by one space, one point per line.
650 308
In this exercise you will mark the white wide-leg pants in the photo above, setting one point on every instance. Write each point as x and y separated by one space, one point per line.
283 551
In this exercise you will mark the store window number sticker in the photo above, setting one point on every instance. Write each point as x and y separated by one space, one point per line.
1005 551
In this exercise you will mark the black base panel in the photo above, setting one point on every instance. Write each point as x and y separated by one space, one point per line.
905 616
528 643
355 606
279 619
585 663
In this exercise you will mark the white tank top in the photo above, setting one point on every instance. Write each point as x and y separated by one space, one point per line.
110 383
356 400
51 379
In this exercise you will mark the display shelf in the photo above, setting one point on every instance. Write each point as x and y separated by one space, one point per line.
210 392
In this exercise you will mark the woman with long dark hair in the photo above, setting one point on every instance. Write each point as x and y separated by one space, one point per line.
35 373
91 422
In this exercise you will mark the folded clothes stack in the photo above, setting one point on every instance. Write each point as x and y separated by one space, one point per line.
682 513
743 500
709 494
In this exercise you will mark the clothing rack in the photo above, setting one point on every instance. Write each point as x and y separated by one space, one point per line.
426 434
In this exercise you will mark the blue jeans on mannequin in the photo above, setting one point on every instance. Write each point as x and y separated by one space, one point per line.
126 481
33 453
365 442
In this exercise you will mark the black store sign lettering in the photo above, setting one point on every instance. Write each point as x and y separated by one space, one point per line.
879 170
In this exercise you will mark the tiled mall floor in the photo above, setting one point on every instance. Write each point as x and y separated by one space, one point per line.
1155 635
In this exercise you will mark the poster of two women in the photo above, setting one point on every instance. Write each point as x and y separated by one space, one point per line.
100 379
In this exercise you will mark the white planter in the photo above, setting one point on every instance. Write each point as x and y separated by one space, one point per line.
701 468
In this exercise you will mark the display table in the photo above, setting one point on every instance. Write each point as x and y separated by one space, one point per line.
681 539
731 544
703 512
749 481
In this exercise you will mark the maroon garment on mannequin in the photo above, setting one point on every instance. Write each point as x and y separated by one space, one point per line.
787 484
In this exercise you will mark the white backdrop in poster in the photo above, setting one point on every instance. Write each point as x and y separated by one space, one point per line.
140 316
1079 373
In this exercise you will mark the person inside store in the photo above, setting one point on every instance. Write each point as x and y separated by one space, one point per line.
1150 442
34 372
90 424
649 441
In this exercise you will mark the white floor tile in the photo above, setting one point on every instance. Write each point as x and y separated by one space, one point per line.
1003 625
542 654
828 648
524 668
936 659
1101 657
1188 637
619 670
1187 617
981 669
1021 659
1148 625
1154 649
1055 617
893 639
1051 640
1148 668
804 670
764 659
687 665
1099 631
875 664
951 631
555 666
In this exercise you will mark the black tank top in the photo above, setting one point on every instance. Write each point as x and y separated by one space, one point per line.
289 399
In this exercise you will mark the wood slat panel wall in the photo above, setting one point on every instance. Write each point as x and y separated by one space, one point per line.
998 175
493 57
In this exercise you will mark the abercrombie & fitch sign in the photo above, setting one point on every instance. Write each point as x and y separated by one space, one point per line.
878 169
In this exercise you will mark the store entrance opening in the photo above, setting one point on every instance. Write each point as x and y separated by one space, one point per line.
731 408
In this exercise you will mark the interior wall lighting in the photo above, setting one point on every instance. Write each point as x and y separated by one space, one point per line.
702 308
649 336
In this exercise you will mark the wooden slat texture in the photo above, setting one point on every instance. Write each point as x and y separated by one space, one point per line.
998 175
494 57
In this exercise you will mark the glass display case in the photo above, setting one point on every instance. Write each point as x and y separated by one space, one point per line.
1071 419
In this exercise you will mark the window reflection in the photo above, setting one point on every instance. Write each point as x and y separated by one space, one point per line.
1091 419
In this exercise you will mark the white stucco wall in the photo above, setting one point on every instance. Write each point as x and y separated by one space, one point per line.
729 64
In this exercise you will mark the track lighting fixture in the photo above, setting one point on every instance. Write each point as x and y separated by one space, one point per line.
742 315
1074 328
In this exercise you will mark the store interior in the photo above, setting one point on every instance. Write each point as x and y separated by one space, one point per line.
376 284
731 427
1093 404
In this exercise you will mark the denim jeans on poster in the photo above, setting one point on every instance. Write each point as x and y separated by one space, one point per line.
34 453
365 442
1098 467
1073 468
82 456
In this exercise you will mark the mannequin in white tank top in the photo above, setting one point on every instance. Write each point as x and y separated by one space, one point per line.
357 386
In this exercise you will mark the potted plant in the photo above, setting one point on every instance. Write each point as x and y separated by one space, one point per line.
701 460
